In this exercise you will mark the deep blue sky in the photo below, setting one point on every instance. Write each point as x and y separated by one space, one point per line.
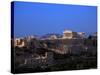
40 18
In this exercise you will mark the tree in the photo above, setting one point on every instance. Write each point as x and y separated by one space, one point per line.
90 37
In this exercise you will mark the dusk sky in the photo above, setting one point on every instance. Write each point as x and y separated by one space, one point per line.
42 18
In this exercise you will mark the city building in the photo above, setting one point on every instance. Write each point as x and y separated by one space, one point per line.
19 42
94 36
81 34
53 37
68 34
37 60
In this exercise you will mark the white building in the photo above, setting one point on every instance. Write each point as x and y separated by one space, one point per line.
81 34
19 42
68 34
53 37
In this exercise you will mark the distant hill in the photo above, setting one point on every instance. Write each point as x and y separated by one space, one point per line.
49 35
